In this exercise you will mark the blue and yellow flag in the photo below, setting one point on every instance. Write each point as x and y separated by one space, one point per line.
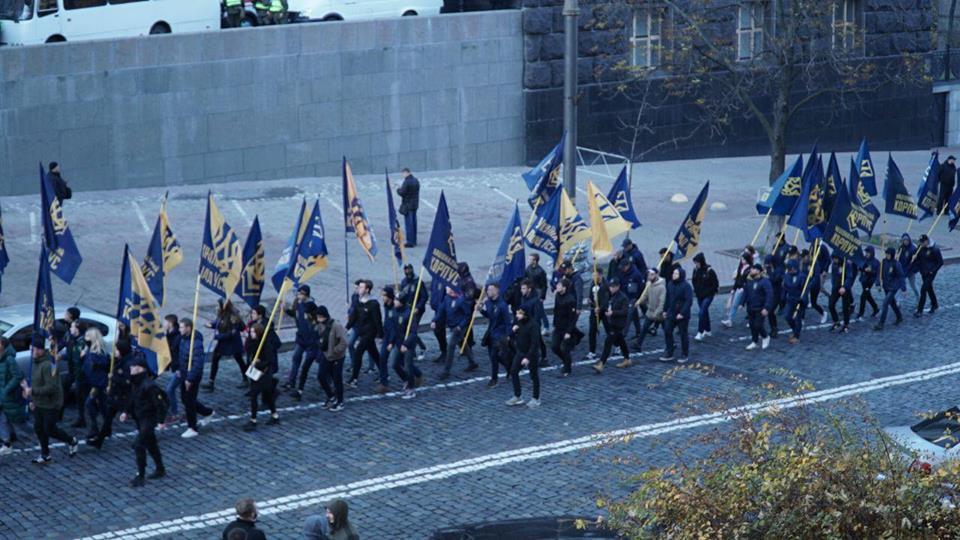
898 199
688 236
866 212
928 194
220 254
152 267
605 222
312 251
865 169
953 204
784 192
62 253
544 179
396 233
354 217
284 265
139 311
252 275
543 234
510 263
808 215
44 316
841 230
619 195
440 260
832 181
573 228
4 258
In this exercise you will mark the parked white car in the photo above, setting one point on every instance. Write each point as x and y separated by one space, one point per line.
931 441
16 324
359 10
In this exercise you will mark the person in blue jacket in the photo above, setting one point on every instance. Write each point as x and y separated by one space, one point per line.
303 330
773 266
456 309
758 299
928 260
631 283
905 257
404 351
309 339
892 280
391 326
191 371
677 314
794 299
843 274
96 368
869 271
497 336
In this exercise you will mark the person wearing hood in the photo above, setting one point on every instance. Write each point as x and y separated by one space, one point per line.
467 284
497 336
266 385
316 527
526 343
869 271
773 267
794 299
653 300
677 316
615 319
928 262
705 289
456 309
597 302
843 274
11 406
338 517
905 254
47 394
947 178
892 280
566 335
117 393
758 299
148 407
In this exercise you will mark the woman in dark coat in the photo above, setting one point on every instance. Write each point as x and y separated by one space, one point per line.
229 343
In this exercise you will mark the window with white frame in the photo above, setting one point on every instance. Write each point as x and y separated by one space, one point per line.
847 24
646 42
750 24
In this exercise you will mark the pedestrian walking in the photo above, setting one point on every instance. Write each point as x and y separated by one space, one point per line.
245 522
905 253
148 407
409 192
706 285
538 280
47 396
403 354
758 299
338 517
96 369
597 301
302 338
677 315
367 321
653 302
171 329
11 404
566 335
892 280
947 178
843 274
192 375
118 389
309 341
735 300
75 384
869 271
456 309
263 384
229 343
526 342
928 261
408 289
497 336
631 283
794 298
616 317
333 349
773 267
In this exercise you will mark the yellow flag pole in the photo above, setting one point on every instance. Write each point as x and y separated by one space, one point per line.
813 265
193 333
413 306
266 331
476 309
910 225
760 228
936 221
396 280
596 294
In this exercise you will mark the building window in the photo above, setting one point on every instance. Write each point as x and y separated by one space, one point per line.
646 41
847 23
750 24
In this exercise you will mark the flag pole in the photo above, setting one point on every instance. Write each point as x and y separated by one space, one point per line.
939 215
813 265
193 332
396 281
473 317
413 307
346 264
910 225
796 236
266 330
533 214
760 228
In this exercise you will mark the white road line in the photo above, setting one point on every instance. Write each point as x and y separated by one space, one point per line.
33 227
447 470
143 220
502 194
242 212
429 204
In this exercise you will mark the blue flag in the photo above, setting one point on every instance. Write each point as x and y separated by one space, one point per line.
4 259
139 311
396 233
831 182
44 315
954 205
509 264
62 253
841 230
152 267
544 232
312 250
898 199
784 192
688 235
252 275
866 212
355 218
282 270
220 254
544 179
865 169
620 197
808 214
440 260
928 194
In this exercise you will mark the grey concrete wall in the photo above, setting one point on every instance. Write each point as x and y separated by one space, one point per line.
423 92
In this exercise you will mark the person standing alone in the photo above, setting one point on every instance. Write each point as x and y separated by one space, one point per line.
948 180
409 192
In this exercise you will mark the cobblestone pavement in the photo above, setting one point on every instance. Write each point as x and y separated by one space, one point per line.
456 454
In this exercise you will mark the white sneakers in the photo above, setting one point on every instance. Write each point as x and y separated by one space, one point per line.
751 346
189 434
823 318
765 342
5 450
533 403
727 322
514 401
698 337
205 420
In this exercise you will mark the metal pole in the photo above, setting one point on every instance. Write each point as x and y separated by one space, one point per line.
571 12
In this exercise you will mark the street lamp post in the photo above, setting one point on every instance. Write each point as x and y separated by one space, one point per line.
571 11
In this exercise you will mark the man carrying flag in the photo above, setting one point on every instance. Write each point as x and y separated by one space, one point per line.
619 195
252 273
62 253
544 180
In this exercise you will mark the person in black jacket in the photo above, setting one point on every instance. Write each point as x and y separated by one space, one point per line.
705 288
677 316
758 298
409 192
947 177
266 384
147 405
566 336
227 329
868 278
60 186
408 289
843 274
309 340
171 328
928 260
597 300
367 320
773 267
245 524
615 318
526 338
538 276
118 389
892 280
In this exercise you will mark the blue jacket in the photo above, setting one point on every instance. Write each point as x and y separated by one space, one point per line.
869 272
498 313
403 316
456 311
837 277
679 298
905 257
793 288
928 260
305 334
532 305
893 277
228 338
96 367
392 334
631 282
775 270
637 257
195 374
758 294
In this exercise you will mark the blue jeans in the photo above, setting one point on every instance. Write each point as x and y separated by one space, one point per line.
912 282
703 321
404 367
5 427
890 301
295 365
795 313
737 297
172 386
410 223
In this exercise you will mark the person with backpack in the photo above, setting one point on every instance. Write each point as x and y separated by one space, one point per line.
148 406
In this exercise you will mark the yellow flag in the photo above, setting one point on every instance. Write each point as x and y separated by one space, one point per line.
220 254
573 229
605 221
145 322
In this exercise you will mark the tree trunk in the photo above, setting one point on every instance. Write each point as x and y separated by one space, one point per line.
778 152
